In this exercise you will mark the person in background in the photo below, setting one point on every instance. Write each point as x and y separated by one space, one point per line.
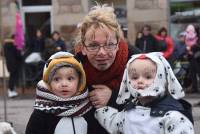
192 46
168 49
124 33
61 98
13 62
151 93
58 41
103 54
36 48
195 66
53 45
138 37
191 37
179 59
147 43
180 50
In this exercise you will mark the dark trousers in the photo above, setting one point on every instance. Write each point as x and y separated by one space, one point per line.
13 78
194 71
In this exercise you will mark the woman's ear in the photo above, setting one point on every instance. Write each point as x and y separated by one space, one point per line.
83 50
117 47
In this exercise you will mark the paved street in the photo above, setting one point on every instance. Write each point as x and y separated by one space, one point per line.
20 108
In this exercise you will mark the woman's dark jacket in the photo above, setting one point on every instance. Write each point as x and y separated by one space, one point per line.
12 56
146 44
37 45
60 43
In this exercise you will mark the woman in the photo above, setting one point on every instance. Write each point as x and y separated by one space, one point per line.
104 55
162 36
147 43
193 50
13 63
53 45
58 41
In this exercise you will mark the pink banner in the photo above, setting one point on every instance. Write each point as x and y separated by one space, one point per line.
19 33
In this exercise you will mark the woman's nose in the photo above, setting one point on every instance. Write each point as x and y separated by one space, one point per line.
101 50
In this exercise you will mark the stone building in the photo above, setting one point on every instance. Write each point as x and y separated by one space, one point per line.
64 15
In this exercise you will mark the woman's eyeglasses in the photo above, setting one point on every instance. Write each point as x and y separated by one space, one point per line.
95 47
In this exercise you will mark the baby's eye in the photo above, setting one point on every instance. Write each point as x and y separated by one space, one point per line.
56 78
70 78
149 77
134 77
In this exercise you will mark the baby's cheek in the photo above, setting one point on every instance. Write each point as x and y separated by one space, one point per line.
149 83
133 84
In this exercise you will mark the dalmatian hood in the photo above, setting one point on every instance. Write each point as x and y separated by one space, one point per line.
165 80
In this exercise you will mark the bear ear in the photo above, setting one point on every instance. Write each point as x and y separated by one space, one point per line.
77 58
47 62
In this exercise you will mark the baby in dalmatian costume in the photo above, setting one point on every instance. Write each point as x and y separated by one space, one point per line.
152 97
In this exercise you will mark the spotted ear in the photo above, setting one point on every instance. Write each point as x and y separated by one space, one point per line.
174 87
124 93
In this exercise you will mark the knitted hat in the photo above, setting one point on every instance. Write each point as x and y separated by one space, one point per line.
61 59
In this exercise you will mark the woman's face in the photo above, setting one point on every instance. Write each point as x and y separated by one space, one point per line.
38 33
56 36
100 47
163 34
146 31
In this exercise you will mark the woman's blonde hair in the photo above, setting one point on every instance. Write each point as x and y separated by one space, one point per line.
100 16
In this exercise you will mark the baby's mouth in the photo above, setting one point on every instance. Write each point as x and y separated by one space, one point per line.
140 88
65 92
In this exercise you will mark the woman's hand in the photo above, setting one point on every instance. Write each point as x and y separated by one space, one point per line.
100 95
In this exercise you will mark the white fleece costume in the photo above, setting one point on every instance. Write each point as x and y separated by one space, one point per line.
161 118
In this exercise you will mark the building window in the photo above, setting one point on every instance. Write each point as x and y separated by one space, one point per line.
35 2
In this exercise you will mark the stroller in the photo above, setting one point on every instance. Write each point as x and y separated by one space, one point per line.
181 70
187 72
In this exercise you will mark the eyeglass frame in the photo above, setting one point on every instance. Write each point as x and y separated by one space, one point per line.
99 46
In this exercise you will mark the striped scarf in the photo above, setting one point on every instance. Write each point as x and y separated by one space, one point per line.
50 103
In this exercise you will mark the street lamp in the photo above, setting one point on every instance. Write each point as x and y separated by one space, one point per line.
3 64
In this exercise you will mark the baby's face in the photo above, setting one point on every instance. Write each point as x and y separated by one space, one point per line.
65 82
142 73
